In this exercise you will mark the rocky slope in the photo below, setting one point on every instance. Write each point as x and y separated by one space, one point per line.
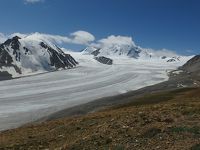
193 65
23 56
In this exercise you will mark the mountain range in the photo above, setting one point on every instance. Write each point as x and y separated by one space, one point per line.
98 71
27 55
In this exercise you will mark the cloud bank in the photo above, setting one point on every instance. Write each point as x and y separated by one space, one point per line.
162 52
82 37
116 40
86 39
78 37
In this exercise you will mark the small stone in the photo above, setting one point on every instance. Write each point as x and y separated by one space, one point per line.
158 147
61 136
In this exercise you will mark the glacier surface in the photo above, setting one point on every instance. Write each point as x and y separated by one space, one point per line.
29 98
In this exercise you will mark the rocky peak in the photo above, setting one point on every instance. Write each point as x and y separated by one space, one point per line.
58 58
193 65
30 55
13 42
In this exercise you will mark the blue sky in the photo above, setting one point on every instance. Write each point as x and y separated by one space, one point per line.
157 24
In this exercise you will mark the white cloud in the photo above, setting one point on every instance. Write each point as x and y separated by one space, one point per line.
17 34
56 39
33 1
78 37
86 39
3 38
162 52
116 40
82 37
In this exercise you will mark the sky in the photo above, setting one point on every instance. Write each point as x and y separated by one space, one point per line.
156 24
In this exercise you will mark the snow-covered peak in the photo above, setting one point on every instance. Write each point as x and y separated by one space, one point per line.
114 46
36 38
136 52
117 50
132 51
123 46
28 55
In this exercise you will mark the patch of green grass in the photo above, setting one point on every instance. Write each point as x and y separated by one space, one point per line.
154 98
191 111
194 130
182 90
116 147
119 147
196 147
147 99
151 133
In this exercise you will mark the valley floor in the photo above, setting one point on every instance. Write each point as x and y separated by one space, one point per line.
162 120
27 99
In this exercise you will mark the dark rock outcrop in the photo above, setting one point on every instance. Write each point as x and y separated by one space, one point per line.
104 60
96 52
171 60
6 60
4 75
163 57
58 58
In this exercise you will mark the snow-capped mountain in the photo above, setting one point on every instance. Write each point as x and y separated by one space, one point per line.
25 54
97 76
114 46
129 50
28 55
114 50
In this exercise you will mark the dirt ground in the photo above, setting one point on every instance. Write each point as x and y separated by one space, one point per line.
163 120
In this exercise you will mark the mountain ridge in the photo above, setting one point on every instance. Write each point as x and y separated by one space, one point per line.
130 51
21 56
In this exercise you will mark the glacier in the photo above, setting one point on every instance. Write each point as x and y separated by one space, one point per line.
27 99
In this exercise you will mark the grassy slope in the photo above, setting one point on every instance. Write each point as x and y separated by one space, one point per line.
166 120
